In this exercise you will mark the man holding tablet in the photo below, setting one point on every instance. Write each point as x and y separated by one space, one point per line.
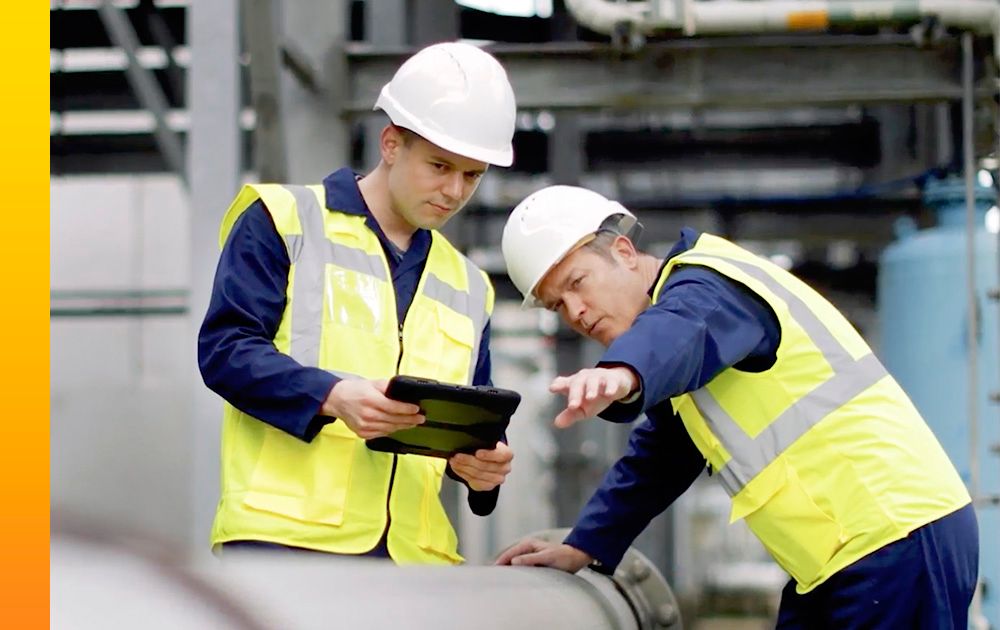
323 293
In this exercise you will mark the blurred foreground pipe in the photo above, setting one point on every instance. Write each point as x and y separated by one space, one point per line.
108 583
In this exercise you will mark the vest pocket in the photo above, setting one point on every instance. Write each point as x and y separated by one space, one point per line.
304 481
445 346
798 533
357 300
436 534
457 338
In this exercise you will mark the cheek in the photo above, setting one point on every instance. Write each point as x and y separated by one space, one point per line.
435 183
401 180
411 172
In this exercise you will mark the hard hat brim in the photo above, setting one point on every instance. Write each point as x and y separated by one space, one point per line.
402 118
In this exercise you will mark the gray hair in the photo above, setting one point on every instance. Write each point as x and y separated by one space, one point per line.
606 234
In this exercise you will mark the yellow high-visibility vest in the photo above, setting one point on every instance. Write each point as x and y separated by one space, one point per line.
823 454
334 494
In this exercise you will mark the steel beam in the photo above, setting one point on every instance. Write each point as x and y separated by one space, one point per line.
261 26
118 303
316 139
160 32
214 160
432 21
383 29
144 84
762 71
299 139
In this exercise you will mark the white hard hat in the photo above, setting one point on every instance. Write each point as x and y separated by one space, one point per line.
457 97
548 225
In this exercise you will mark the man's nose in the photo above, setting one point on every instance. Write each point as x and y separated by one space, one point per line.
454 186
576 309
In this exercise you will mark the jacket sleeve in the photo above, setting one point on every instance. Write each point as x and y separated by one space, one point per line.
702 324
236 353
660 463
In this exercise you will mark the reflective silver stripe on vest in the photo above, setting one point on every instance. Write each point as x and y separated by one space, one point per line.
750 455
311 252
477 311
306 253
472 304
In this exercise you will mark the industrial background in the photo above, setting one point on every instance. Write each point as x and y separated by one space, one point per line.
855 143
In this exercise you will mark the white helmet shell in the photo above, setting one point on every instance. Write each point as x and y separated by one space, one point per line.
456 96
544 228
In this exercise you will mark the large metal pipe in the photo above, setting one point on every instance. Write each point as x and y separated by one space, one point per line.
107 581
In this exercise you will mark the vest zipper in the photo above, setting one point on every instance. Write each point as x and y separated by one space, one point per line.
388 496
395 457
399 359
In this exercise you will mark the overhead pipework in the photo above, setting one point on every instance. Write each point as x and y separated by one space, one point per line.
722 17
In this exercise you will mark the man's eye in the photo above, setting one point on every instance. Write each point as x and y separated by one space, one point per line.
576 282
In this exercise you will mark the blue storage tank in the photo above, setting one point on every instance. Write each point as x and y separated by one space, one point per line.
923 312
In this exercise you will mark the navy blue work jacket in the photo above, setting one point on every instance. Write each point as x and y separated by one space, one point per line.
236 353
702 324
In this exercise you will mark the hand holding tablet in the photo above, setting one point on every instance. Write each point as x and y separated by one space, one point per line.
459 418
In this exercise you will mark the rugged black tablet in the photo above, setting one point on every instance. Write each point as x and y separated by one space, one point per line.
460 418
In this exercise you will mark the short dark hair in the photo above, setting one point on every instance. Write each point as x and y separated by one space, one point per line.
406 134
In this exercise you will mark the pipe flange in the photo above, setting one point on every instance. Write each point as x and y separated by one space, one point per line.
640 582
647 591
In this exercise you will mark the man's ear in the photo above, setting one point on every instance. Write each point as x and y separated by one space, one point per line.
390 143
624 252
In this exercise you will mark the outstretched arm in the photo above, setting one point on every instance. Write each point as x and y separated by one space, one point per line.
702 324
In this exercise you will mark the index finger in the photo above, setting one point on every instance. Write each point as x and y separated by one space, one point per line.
568 417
